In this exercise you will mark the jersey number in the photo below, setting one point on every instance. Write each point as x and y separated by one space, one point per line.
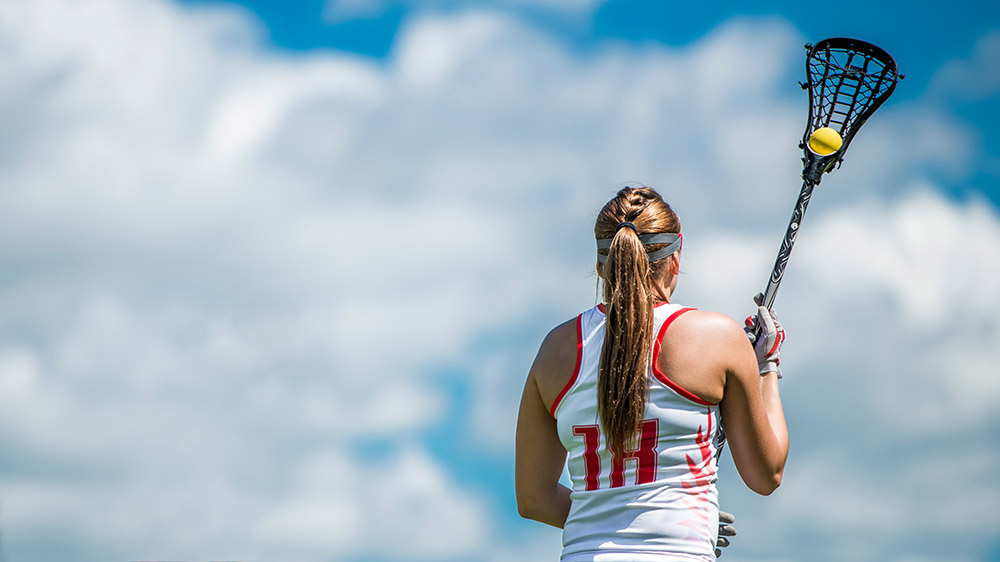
644 456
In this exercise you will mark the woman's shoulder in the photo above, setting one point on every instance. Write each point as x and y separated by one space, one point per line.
562 334
556 359
709 327
699 350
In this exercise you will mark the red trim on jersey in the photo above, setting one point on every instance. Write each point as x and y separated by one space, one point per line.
660 376
576 369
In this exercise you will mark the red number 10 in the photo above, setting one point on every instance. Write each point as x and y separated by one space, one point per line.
644 456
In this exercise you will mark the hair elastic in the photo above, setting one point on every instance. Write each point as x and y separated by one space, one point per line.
627 224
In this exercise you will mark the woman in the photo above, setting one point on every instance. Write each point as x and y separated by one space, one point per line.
633 389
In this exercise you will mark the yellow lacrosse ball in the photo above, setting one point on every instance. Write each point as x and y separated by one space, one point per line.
825 141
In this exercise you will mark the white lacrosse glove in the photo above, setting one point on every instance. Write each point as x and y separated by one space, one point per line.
726 529
768 344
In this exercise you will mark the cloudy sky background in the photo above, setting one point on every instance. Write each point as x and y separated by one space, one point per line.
272 277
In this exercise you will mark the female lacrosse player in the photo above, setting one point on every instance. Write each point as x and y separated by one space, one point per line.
634 389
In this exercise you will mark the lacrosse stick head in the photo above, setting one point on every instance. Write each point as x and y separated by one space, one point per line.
847 80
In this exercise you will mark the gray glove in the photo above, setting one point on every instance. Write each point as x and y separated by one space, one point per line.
726 529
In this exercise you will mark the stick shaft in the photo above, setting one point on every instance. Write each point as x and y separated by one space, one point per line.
786 244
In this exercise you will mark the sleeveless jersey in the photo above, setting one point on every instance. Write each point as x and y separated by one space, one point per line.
658 502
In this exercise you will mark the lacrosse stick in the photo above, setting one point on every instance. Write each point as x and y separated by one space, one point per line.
847 81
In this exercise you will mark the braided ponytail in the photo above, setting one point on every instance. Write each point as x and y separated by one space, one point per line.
629 298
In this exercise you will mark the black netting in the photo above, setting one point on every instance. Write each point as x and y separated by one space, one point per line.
848 80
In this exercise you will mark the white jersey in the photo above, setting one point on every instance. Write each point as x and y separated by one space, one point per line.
659 502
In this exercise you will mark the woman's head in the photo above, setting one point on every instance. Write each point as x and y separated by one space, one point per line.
636 211
638 238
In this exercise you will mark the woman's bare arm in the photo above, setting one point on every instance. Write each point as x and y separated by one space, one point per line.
539 461
752 415
539 455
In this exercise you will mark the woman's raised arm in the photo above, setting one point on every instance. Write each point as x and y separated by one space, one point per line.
752 415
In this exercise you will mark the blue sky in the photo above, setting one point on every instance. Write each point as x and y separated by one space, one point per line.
273 272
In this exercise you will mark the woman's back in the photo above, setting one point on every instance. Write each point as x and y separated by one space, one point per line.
659 496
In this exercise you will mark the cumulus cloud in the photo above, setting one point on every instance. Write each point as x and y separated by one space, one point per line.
246 293
335 504
974 78
888 385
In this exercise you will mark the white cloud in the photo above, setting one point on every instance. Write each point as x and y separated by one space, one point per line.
912 251
830 500
974 78
256 103
889 387
930 260
336 503
227 269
